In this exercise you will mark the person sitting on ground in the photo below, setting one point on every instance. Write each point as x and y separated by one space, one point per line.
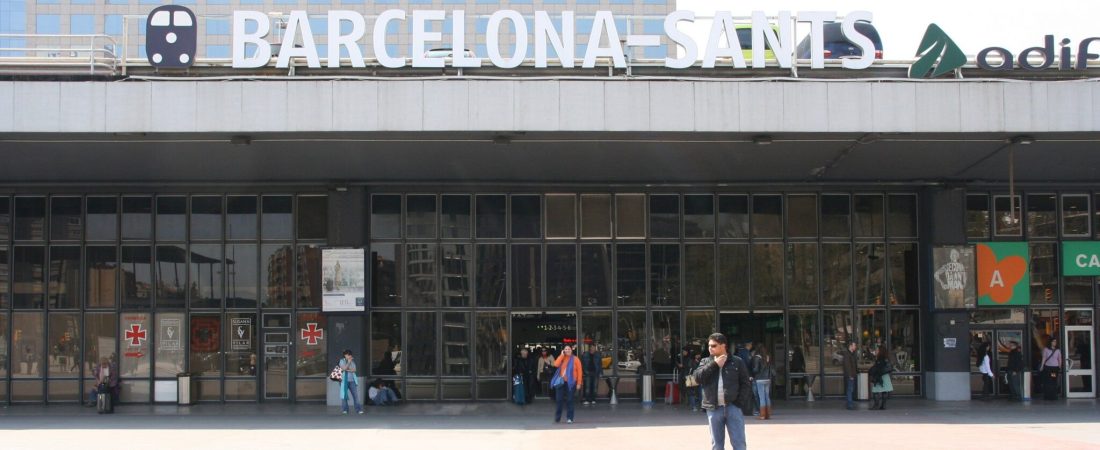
380 394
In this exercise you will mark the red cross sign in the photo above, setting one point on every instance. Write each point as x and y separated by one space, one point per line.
135 334
311 334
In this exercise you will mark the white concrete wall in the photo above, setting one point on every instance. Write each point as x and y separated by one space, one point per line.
529 105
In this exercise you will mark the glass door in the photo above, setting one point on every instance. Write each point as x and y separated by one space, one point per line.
1079 366
276 366
1007 383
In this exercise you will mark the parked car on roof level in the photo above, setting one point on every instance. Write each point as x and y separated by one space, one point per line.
839 47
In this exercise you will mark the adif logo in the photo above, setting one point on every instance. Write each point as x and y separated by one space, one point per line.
938 54
171 36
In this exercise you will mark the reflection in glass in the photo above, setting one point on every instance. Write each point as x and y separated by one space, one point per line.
1006 216
491 281
170 340
1075 215
596 274
664 216
137 218
699 274
733 272
29 280
526 216
1042 215
64 287
664 274
30 218
767 216
802 216
868 220
5 276
836 215
905 339
385 216
102 266
420 216
242 217
631 274
767 274
455 217
312 352
205 344
596 331
491 218
206 276
313 217
698 216
385 343
206 217
871 335
561 216
457 266
240 344
456 344
977 216
870 273
698 326
242 276
561 275
421 352
631 332
805 354
137 277
5 218
136 332
102 219
903 274
276 217
629 215
492 344
64 345
526 275
171 218
28 331
309 276
665 341
100 339
66 218
386 274
903 215
733 216
802 274
596 216
1077 290
835 334
1044 273
276 275
421 266
836 274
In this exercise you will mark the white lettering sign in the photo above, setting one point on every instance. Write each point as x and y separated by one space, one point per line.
1086 261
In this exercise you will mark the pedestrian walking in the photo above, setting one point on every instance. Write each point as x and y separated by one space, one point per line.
349 383
568 377
763 372
523 369
593 371
984 359
545 372
1049 369
724 378
851 371
1015 367
881 386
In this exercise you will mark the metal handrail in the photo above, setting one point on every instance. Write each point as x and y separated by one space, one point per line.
102 56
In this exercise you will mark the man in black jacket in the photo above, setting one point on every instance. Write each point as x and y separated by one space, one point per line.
851 371
1015 366
726 388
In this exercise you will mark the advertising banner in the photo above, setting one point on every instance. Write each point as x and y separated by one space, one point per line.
1080 258
1004 276
343 279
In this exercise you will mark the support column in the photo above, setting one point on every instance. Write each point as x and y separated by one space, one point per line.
947 368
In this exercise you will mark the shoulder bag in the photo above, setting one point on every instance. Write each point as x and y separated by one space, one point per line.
337 373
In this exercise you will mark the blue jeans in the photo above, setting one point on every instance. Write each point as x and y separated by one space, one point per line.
723 420
385 396
590 384
354 394
850 392
764 392
692 396
564 396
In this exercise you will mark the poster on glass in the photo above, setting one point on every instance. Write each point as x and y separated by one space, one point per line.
954 276
343 279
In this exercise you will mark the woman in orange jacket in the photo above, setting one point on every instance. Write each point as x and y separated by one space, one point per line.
571 375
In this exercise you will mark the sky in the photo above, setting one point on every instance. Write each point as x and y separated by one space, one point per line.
972 24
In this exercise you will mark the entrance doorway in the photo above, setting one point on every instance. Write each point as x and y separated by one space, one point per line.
1001 346
1079 366
276 357
764 329
543 332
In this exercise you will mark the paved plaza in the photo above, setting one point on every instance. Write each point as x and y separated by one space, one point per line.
822 425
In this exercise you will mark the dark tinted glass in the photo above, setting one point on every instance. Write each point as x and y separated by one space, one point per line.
242 218
420 353
903 216
243 276
664 274
802 216
699 274
561 216
171 276
30 218
526 275
733 274
5 277
1044 273
64 278
312 217
596 274
629 216
903 274
385 216
977 216
276 217
664 216
631 271
1075 215
868 218
101 264
137 277
206 217
733 216
456 270
206 276
422 275
171 218
385 343
420 216
491 282
561 275
457 360
698 216
802 274
387 262
1007 215
308 272
767 216
767 275
5 218
836 274
66 218
526 216
490 216
137 218
276 273
1042 215
870 273
836 215
455 217
29 280
102 218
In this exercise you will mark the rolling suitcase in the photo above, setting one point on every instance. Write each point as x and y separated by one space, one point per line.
672 393
519 391
103 403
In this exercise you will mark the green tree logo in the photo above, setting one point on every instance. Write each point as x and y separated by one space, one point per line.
938 55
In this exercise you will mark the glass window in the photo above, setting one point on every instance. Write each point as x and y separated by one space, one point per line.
631 344
276 217
314 217
385 343
664 274
836 332
491 216
137 277
64 349
420 216
385 275
1096 214
170 344
491 282
1007 215
870 272
312 345
240 344
596 275
698 216
526 276
309 276
698 326
629 215
871 335
242 220
664 216
903 215
903 274
561 275
977 216
802 274
733 216
631 274
134 346
137 218
242 276
561 216
385 216
1045 325
868 218
206 276
206 217
276 273
1042 215
421 275
28 331
1044 273
836 215
767 216
171 276
767 275
1078 290
102 218
905 340
5 277
836 274
205 345
422 350
801 216
526 216
733 270
805 356
29 280
171 218
492 344
5 218
596 217
30 218
665 342
66 218
64 285
455 218
102 266
456 344
1075 215
699 274
100 340
457 267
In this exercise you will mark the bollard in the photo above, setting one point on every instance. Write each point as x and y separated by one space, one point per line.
1025 391
647 388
